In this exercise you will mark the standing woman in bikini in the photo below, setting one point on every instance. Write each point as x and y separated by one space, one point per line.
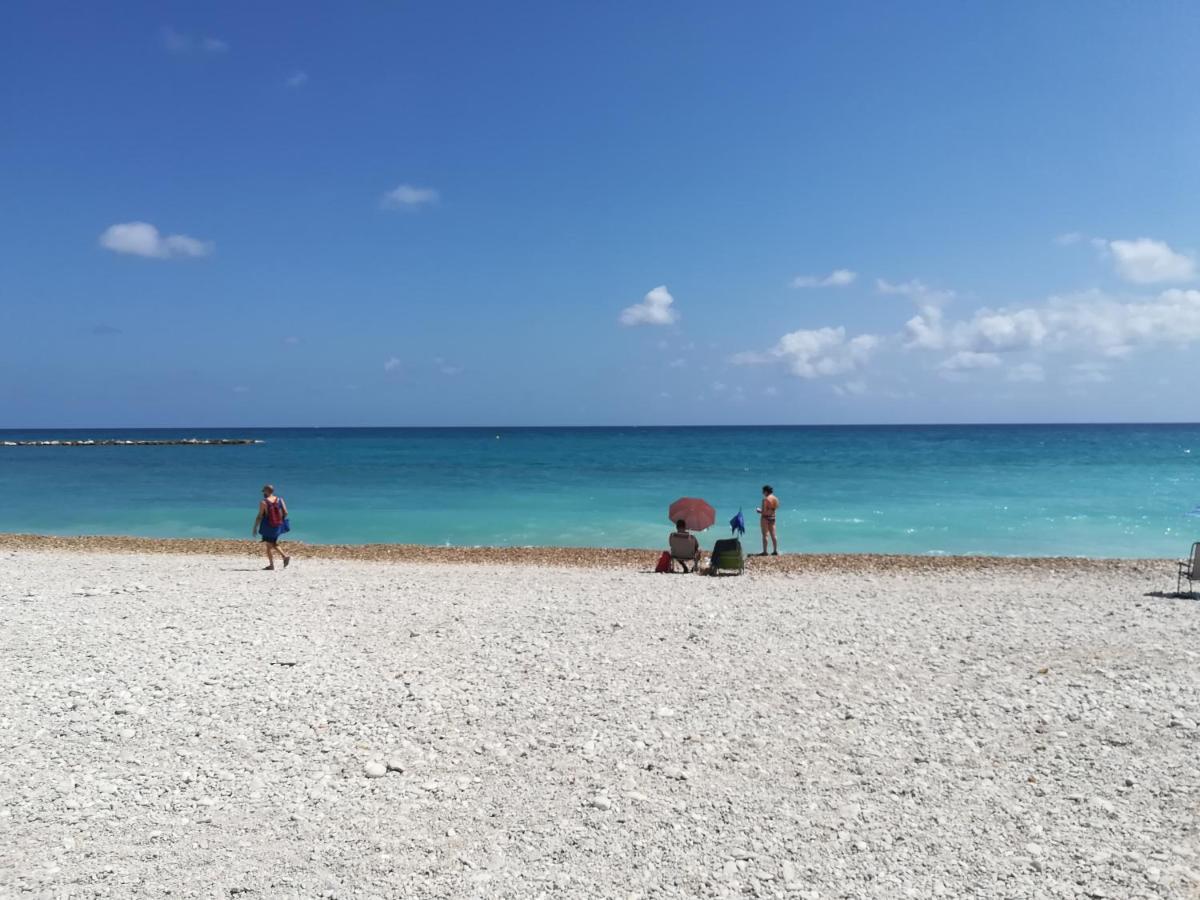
271 522
766 518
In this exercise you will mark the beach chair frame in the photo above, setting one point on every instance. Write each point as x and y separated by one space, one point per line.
728 561
1189 569
679 555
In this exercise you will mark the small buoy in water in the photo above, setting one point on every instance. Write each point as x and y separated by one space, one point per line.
497 437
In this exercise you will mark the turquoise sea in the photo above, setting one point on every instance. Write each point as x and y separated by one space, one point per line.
1080 490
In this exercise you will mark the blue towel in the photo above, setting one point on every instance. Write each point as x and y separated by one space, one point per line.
737 525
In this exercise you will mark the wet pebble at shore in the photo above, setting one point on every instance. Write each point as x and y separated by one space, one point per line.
581 557
348 729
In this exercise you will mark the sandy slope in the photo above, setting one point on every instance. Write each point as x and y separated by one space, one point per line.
188 723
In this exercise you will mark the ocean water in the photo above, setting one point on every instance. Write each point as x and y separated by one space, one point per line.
1078 490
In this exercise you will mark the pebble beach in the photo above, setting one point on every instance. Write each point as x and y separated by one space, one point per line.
431 722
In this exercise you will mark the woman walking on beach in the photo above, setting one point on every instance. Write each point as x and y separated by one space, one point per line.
271 522
766 518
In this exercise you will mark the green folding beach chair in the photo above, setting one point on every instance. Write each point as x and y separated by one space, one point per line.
727 556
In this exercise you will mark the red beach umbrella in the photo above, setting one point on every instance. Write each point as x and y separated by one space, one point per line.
695 512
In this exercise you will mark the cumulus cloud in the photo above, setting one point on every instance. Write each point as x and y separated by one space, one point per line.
1116 326
656 308
143 239
816 353
1147 261
925 330
986 331
1092 329
1006 331
177 42
917 291
1092 322
405 196
297 79
836 278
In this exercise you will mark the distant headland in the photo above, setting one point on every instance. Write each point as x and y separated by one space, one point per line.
117 442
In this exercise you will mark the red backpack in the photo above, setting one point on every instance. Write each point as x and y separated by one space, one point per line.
275 513
664 564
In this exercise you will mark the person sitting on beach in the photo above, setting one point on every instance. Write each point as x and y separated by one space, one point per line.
684 546
271 522
766 517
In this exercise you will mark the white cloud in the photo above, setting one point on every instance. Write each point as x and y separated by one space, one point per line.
986 331
297 79
447 368
655 309
405 196
816 353
924 331
836 278
1114 326
1027 371
965 360
1005 331
143 239
1090 322
1094 330
1146 261
391 364
917 291
177 42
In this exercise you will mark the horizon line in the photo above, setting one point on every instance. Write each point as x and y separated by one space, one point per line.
1000 424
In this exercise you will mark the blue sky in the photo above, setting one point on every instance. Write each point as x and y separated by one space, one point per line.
227 214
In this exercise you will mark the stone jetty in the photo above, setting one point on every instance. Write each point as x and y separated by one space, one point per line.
117 442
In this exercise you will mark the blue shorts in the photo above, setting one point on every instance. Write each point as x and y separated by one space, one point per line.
270 534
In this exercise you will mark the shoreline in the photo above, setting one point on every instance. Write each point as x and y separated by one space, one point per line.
571 557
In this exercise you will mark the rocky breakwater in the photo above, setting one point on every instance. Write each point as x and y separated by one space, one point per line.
117 442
